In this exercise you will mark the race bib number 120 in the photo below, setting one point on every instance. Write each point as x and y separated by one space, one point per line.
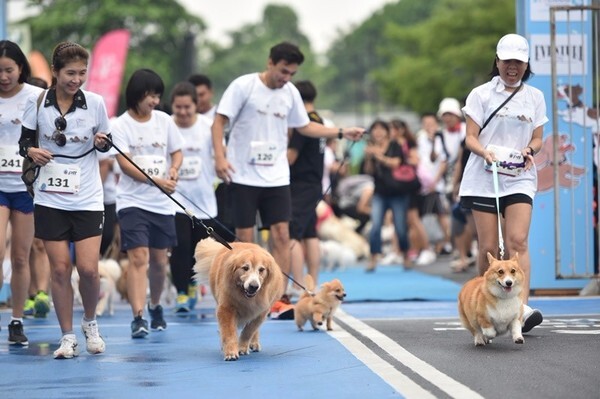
262 153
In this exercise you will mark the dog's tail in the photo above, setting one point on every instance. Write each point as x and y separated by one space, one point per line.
309 285
205 252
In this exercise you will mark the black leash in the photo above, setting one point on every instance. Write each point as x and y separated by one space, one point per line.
209 230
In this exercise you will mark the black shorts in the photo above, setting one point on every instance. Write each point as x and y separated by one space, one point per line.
486 204
140 228
59 225
433 203
273 204
305 197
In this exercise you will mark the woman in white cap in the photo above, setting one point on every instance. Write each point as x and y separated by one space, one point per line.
505 119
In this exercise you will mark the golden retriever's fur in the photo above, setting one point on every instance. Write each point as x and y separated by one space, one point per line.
491 304
245 282
319 308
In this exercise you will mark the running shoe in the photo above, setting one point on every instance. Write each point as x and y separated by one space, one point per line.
68 347
192 295
182 304
157 321
93 340
16 336
139 327
41 305
531 318
28 308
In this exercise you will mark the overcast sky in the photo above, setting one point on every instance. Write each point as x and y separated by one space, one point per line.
320 20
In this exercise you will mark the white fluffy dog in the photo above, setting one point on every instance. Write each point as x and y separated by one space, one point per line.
109 271
335 255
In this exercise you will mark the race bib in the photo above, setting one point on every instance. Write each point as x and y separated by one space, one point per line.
510 161
59 178
190 168
262 153
153 165
10 159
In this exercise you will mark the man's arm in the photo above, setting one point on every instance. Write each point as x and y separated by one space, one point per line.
317 130
222 167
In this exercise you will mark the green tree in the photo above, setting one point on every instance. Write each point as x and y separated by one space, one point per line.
249 48
355 54
443 56
161 31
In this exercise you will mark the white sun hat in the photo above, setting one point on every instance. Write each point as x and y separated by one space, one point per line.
513 47
449 105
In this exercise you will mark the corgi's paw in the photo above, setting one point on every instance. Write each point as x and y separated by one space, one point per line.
518 339
480 340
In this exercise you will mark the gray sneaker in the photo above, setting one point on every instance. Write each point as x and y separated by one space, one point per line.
139 327
157 321
531 318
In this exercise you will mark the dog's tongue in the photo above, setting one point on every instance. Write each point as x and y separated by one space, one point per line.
507 289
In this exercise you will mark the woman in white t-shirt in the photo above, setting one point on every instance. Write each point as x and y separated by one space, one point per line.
151 140
518 126
195 191
72 125
16 205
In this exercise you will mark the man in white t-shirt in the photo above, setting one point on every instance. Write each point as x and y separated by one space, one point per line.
260 107
204 95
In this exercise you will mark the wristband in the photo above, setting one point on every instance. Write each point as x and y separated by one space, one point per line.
531 152
341 133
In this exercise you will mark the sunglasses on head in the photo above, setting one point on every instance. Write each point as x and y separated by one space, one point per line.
60 123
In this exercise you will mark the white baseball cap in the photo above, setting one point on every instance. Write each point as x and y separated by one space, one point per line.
451 106
513 47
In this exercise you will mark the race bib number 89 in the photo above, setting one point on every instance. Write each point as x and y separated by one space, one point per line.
153 165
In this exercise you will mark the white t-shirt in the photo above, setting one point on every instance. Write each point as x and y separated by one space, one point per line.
147 143
64 183
109 185
261 116
197 173
511 127
11 114
210 113
424 147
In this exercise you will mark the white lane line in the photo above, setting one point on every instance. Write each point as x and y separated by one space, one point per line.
447 384
401 383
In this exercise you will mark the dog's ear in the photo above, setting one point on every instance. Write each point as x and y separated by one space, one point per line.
490 258
515 257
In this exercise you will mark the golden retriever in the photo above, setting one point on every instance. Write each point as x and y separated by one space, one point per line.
245 282
320 307
491 304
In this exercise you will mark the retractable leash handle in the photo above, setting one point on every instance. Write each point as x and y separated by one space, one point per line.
209 230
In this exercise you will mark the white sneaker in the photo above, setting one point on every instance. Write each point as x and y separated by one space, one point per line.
68 347
391 258
531 318
94 342
426 257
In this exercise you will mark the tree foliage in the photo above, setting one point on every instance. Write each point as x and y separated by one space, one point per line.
249 48
161 31
365 48
445 55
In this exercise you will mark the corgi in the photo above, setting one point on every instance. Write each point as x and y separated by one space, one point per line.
320 307
491 305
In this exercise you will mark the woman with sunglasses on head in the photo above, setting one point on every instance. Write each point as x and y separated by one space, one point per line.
513 134
16 205
151 140
72 124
